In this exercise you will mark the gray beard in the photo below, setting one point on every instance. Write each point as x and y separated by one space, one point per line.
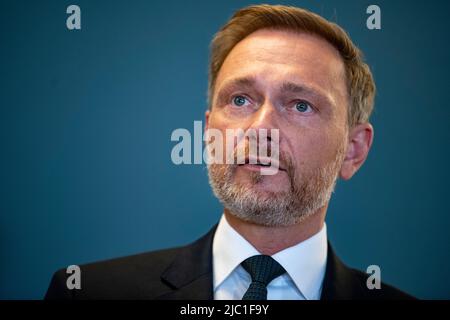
306 195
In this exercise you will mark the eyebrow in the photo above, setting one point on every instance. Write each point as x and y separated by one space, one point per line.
286 87
242 82
295 88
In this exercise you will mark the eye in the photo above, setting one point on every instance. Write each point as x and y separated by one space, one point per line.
303 106
239 101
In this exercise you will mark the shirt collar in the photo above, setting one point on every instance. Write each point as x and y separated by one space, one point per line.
305 262
229 250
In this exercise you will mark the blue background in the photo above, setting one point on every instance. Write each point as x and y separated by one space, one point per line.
86 118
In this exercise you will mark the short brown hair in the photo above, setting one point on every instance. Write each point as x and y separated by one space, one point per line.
360 83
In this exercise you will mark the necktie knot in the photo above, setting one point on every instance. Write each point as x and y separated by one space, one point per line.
262 269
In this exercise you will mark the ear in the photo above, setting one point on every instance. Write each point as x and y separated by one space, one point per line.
360 140
206 120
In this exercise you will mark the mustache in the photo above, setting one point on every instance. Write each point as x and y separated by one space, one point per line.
283 161
241 151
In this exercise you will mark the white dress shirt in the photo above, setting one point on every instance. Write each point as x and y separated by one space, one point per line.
304 263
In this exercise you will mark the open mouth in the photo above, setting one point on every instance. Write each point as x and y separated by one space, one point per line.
261 162
256 164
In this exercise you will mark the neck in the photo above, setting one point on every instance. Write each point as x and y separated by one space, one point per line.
270 240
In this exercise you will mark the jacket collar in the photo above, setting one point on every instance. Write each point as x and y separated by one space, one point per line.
339 282
190 274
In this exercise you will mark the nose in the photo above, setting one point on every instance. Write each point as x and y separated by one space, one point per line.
263 132
265 118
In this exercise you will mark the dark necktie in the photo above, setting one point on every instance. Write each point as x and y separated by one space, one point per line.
262 269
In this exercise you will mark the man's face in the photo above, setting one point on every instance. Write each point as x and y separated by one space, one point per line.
294 83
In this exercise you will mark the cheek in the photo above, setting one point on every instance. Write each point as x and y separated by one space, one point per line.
218 140
219 122
315 148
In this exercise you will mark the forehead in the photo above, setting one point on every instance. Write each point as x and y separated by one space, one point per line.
277 55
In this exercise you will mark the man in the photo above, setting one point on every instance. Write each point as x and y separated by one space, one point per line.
286 69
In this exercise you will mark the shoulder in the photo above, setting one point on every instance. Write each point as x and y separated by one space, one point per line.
342 283
152 275
384 292
136 277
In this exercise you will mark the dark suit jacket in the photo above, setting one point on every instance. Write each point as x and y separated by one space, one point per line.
186 273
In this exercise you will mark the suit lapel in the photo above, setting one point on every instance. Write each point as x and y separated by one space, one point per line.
338 284
190 274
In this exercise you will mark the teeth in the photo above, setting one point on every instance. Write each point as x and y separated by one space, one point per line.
263 164
247 161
